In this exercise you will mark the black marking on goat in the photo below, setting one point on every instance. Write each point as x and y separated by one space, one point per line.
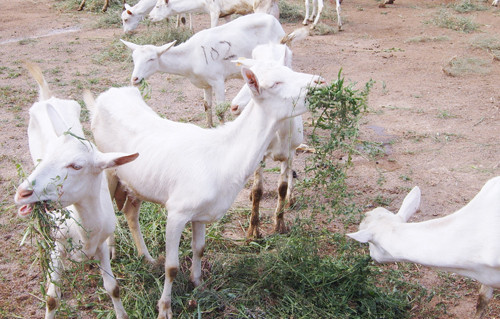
212 54
205 54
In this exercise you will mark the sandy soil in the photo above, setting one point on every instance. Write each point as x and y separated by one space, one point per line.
438 131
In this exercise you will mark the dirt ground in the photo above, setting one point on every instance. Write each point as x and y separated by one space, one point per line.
439 132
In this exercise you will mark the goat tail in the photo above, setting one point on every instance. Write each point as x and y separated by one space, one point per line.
36 73
295 35
89 100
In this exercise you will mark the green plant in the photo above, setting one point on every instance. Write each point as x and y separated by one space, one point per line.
469 65
445 19
336 110
290 12
468 6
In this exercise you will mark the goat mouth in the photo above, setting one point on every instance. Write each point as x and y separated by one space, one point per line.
26 209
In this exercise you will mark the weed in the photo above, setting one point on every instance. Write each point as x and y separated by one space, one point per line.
382 201
462 66
468 6
445 19
488 43
427 39
290 12
336 110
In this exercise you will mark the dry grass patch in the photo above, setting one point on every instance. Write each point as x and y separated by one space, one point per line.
468 65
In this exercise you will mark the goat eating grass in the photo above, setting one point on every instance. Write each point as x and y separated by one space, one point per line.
465 242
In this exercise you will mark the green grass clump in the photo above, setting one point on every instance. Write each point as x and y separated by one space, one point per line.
421 39
445 19
277 277
156 35
468 65
468 6
290 12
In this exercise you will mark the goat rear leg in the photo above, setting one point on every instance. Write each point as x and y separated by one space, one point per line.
256 195
485 295
131 212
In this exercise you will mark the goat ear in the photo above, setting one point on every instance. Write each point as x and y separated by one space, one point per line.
108 160
131 45
127 7
251 80
410 205
363 236
58 123
164 48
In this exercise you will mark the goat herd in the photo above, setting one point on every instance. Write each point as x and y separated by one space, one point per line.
128 166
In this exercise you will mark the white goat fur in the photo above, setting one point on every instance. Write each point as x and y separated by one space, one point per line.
494 3
288 137
316 12
69 172
465 242
133 15
205 59
196 173
216 8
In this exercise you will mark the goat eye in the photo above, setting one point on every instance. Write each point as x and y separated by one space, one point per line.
275 84
74 166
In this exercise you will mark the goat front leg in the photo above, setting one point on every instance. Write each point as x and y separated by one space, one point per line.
54 290
306 19
290 198
198 247
339 19
175 226
207 103
318 8
485 295
109 281
279 222
105 6
82 4
255 196
131 212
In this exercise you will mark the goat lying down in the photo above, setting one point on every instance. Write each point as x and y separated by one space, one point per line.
205 59
465 242
196 173
57 153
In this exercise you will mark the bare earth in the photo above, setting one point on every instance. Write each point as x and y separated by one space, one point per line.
440 132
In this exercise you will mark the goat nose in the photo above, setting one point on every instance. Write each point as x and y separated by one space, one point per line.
23 192
234 108
135 80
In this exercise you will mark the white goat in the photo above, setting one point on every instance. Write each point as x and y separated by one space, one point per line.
316 12
216 8
69 172
465 242
288 137
205 59
196 173
131 16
